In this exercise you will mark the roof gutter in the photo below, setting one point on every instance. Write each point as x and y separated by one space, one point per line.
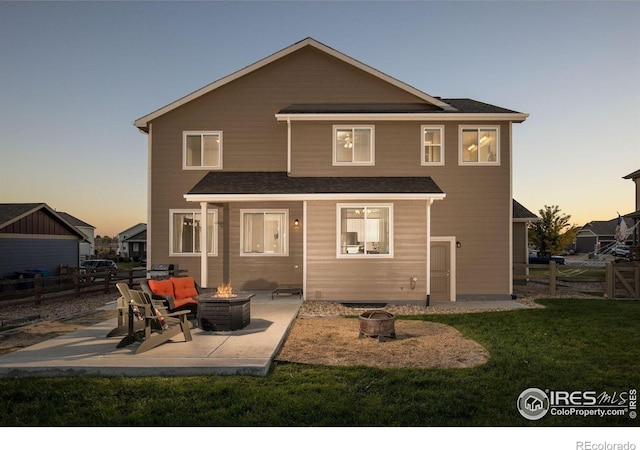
309 196
511 117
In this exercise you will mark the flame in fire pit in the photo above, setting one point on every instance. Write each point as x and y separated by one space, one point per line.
225 291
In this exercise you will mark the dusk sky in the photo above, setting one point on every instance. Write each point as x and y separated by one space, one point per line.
75 75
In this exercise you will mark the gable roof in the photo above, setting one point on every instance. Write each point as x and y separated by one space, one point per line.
632 175
143 122
604 227
139 237
278 185
135 228
522 214
74 220
13 212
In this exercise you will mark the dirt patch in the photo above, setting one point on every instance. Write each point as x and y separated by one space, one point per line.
27 335
418 344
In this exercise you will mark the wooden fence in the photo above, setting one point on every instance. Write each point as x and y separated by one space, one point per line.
623 280
614 279
70 282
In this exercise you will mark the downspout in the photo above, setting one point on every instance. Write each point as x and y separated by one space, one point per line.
289 146
428 278
304 249
510 228
204 245
149 199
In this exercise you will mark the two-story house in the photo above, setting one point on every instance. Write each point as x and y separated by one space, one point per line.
311 168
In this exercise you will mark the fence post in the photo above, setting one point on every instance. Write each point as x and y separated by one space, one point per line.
37 287
131 278
76 281
609 281
107 279
552 278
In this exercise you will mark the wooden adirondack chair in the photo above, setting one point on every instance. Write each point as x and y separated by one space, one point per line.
122 306
159 326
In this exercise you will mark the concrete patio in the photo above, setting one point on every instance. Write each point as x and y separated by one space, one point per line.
249 351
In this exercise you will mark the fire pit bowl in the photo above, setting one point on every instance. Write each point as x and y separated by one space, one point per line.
377 323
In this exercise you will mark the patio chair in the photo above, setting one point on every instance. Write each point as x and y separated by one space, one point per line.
177 294
159 326
122 306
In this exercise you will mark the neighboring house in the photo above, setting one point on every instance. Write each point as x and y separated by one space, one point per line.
522 217
311 168
34 237
88 246
635 216
598 235
132 242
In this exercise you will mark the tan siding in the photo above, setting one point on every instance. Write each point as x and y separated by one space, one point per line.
339 279
265 272
520 249
477 206
476 209
520 253
477 212
253 140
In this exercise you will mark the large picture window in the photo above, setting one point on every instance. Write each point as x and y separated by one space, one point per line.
432 145
185 233
479 145
202 150
264 233
353 145
365 230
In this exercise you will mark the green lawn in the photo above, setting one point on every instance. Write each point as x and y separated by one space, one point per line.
572 345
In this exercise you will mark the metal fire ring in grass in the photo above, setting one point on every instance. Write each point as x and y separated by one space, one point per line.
377 323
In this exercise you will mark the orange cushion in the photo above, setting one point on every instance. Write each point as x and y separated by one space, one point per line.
184 287
161 287
181 303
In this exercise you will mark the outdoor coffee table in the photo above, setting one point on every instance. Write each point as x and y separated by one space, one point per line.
224 313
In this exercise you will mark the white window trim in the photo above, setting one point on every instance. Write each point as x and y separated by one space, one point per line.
478 127
339 254
423 159
371 162
184 150
193 211
285 231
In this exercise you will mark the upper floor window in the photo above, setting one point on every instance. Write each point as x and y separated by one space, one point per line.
432 145
202 150
353 145
479 145
185 232
264 232
365 230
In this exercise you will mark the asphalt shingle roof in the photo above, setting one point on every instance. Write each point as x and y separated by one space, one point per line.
632 175
9 211
74 220
461 105
520 212
281 183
